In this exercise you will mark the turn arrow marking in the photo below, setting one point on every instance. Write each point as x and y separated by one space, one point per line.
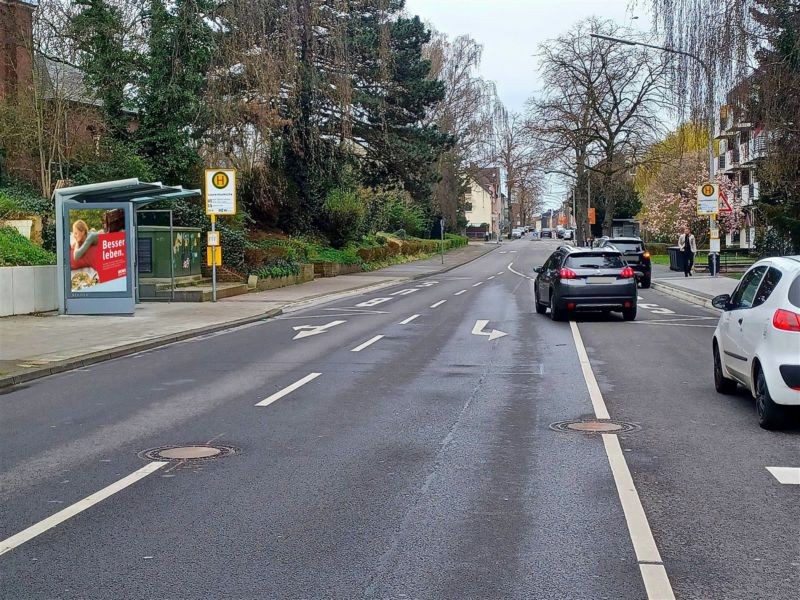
309 330
493 335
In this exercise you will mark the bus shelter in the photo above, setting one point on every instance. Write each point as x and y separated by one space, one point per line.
96 241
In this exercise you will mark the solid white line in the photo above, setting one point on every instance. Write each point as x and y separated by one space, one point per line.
643 543
786 475
600 410
437 304
369 342
61 516
517 272
656 582
288 390
477 284
459 293
408 320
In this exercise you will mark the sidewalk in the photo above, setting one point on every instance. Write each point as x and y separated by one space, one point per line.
37 346
698 289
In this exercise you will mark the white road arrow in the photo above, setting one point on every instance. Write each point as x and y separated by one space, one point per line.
309 330
479 330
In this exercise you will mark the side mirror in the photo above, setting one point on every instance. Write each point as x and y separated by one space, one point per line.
538 269
721 302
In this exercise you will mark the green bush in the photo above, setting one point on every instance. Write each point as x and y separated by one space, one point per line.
345 215
114 161
277 268
17 250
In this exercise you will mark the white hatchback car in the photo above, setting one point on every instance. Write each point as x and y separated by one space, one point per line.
757 340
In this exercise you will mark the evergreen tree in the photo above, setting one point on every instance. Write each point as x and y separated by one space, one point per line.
173 114
107 65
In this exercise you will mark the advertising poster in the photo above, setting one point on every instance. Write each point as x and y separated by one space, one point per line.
97 254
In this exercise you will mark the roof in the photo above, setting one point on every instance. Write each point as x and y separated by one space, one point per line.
126 190
487 178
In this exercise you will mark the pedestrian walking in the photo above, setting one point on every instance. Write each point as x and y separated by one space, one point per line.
687 245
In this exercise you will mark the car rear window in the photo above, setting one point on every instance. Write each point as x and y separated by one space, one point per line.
794 292
595 261
627 246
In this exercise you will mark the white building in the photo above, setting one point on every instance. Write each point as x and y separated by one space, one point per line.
482 202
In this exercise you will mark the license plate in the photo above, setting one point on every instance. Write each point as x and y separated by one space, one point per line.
600 279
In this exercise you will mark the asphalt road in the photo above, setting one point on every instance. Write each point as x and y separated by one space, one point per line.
423 465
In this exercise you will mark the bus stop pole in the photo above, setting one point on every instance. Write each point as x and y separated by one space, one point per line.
213 262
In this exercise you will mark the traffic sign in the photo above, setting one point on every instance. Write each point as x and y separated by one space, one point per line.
724 205
220 191
707 199
212 238
214 257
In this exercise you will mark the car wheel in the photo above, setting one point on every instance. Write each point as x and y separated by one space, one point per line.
770 415
555 312
540 308
645 282
629 314
722 384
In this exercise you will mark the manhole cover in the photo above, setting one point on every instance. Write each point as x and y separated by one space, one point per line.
590 426
189 452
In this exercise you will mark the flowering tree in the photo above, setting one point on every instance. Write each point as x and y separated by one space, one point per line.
670 201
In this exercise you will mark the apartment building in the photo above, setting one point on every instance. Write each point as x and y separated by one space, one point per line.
741 144
483 202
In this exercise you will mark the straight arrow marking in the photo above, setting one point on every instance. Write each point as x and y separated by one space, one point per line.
786 475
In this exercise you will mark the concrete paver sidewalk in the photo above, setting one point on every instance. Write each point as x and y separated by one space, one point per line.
698 289
35 346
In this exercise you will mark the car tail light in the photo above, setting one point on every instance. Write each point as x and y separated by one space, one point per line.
647 255
627 273
786 320
567 274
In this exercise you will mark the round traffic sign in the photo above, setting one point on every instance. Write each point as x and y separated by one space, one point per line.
220 180
708 190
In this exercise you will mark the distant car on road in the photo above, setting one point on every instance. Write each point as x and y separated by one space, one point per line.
634 253
546 232
580 279
757 340
517 233
569 234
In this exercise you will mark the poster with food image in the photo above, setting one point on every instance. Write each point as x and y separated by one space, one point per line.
98 257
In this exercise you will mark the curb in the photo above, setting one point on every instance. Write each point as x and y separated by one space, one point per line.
128 349
683 295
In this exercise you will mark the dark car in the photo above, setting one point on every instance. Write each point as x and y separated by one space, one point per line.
634 253
585 279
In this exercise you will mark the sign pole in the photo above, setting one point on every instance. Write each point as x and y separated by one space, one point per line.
441 227
213 262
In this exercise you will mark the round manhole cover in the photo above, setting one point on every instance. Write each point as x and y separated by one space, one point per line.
189 452
591 426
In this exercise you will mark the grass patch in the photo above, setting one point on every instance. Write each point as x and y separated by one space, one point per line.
16 250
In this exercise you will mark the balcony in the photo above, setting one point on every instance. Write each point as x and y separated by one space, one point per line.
732 159
758 147
746 201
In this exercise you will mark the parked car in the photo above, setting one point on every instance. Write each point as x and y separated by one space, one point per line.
517 232
569 234
579 279
757 340
635 255
560 231
546 232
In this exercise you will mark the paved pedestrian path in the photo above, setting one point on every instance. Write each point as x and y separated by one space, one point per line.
699 288
35 346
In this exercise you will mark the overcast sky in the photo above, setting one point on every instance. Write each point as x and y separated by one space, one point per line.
511 31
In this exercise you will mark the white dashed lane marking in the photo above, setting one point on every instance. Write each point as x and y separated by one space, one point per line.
366 344
438 304
459 293
289 389
408 320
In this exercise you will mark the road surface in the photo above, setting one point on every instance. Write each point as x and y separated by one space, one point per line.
398 445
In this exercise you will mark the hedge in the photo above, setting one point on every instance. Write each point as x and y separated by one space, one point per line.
16 250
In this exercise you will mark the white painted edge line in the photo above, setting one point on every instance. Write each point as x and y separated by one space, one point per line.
517 272
656 582
599 405
369 342
408 320
501 272
438 304
459 293
289 389
477 284
786 475
31 532
643 543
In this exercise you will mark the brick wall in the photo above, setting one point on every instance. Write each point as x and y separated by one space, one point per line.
16 34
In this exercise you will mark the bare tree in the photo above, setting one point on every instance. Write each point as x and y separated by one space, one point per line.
601 106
